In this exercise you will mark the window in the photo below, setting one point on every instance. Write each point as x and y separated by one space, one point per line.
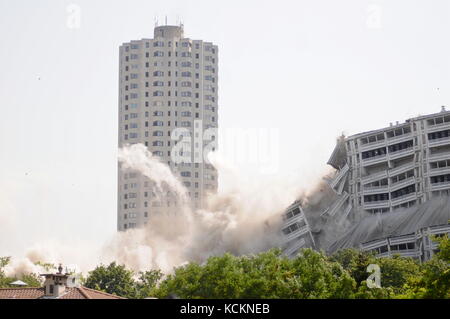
186 74
158 143
158 73
158 113
158 133
158 54
158 44
186 114
158 123
158 103
158 83
158 93
186 54
186 174
186 94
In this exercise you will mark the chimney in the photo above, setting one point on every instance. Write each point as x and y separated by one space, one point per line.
443 108
390 124
55 284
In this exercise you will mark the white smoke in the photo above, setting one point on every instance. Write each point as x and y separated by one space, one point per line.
242 218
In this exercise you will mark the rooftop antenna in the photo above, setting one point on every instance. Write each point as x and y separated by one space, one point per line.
156 21
166 20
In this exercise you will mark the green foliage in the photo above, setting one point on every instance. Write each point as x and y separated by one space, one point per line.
266 275
434 280
147 282
114 279
32 280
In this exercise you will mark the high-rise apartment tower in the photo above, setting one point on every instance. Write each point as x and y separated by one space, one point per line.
168 92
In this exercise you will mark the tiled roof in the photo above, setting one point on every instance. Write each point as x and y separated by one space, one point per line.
71 293
21 293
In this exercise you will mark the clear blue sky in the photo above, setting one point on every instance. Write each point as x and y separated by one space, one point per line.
309 68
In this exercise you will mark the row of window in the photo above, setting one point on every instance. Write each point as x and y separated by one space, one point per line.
184 74
161 44
160 54
392 149
395 194
169 93
161 103
183 64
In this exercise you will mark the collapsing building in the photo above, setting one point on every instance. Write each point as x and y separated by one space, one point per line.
395 167
296 230
382 173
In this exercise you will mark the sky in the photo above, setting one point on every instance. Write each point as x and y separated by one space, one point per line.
308 70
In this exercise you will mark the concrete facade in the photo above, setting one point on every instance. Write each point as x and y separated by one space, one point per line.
296 230
395 167
418 245
168 91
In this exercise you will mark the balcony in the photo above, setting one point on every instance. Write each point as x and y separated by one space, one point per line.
439 156
438 127
399 139
374 244
439 171
406 253
367 190
440 186
295 234
376 204
403 199
293 220
374 177
403 183
293 247
401 153
439 141
374 160
401 169
372 145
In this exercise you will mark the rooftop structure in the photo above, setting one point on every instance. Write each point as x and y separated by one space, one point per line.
56 286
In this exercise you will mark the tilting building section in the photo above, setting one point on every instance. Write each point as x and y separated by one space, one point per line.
296 230
395 167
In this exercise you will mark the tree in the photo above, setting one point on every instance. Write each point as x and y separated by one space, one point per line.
396 272
114 279
31 279
147 282
266 275
434 281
